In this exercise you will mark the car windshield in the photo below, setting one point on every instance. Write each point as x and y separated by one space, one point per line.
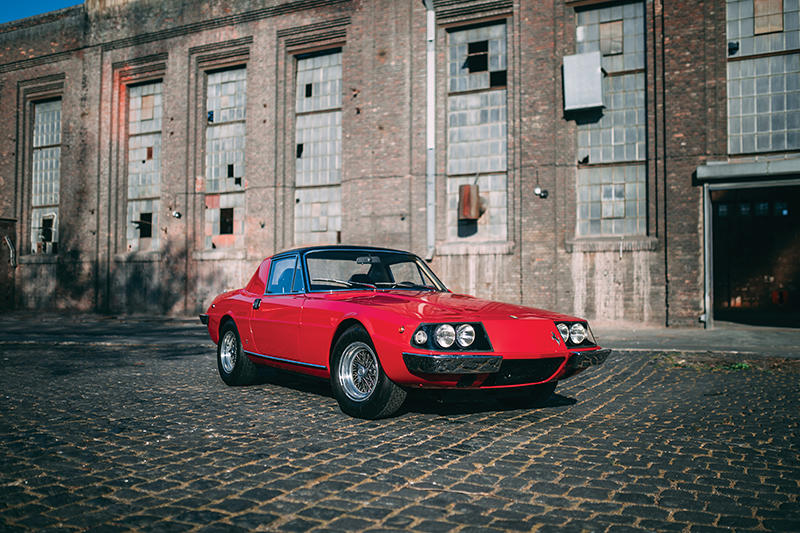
334 270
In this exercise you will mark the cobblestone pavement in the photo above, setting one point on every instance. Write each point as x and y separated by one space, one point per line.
146 437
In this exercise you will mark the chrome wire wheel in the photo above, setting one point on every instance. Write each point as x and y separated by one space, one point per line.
358 371
227 351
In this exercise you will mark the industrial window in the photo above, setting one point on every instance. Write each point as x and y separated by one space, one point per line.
611 38
611 178
226 104
612 200
318 148
767 16
45 176
477 129
145 111
763 76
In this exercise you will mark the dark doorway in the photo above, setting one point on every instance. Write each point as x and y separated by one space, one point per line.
756 247
8 262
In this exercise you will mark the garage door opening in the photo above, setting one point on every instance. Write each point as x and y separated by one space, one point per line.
756 255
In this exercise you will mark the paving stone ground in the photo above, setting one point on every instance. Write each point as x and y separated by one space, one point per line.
147 437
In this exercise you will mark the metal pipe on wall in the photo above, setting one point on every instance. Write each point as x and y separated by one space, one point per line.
430 137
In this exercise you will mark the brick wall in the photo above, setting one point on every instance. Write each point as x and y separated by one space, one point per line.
535 258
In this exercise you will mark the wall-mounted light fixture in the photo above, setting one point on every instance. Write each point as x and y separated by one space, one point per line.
176 214
541 193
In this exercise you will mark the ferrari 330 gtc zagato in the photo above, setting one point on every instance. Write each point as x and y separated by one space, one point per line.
378 322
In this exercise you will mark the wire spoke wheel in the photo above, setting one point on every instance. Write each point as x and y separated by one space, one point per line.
358 371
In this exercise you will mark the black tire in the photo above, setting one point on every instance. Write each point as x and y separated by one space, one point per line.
234 367
533 396
358 381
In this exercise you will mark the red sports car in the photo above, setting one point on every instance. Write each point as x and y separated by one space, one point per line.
377 322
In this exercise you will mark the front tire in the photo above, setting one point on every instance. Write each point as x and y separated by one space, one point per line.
234 367
358 381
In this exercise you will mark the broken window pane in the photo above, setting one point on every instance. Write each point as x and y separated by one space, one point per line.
611 38
309 90
47 230
226 221
478 56
497 79
145 225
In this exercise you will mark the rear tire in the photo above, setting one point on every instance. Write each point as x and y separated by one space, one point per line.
234 367
533 396
358 381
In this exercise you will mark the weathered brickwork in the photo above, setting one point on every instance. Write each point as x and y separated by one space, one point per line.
226 199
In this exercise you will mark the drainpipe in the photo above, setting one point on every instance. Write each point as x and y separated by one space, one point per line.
708 260
430 138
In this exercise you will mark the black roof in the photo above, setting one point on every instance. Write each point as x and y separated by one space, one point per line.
334 247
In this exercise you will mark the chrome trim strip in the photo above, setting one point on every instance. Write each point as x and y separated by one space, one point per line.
452 354
281 360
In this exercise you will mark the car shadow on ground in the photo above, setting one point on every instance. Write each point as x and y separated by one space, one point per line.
426 402
455 402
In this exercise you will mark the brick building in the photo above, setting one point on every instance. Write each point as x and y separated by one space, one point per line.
635 161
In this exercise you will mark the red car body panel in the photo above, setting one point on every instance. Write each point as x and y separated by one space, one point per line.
297 331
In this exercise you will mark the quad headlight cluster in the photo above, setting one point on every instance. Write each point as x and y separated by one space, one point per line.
451 336
574 333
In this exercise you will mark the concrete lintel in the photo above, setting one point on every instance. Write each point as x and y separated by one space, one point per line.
729 170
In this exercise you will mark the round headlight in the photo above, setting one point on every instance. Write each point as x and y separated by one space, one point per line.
564 330
465 335
577 333
420 337
445 335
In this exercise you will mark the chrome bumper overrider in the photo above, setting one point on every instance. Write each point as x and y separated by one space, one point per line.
452 364
580 360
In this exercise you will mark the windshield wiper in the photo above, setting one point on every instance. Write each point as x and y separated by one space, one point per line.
345 283
406 285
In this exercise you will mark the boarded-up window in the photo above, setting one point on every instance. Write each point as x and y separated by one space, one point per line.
767 16
611 38
147 107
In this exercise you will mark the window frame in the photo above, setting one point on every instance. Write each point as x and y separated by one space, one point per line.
296 267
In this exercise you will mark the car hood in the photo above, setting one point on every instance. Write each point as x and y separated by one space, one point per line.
434 306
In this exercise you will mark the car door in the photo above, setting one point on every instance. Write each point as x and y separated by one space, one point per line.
275 317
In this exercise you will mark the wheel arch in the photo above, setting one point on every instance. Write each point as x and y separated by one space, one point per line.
343 326
223 321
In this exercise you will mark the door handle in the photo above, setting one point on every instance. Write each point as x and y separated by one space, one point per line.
256 303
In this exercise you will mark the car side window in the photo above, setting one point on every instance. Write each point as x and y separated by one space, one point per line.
297 286
280 276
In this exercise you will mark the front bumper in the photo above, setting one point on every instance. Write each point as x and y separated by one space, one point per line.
498 371
452 364
582 360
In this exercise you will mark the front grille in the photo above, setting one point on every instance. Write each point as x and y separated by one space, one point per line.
522 371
